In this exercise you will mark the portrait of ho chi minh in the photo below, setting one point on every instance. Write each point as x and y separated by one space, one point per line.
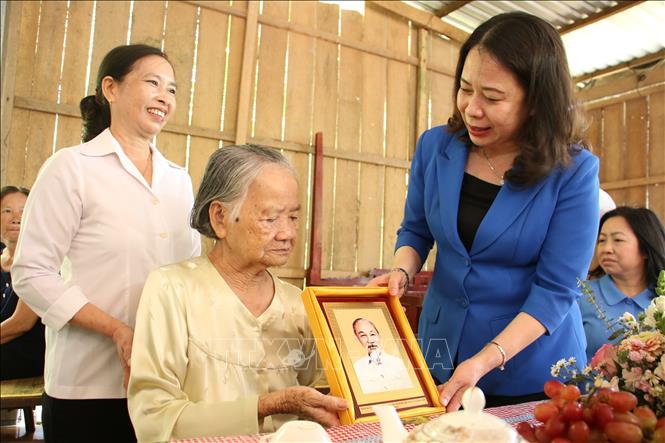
377 371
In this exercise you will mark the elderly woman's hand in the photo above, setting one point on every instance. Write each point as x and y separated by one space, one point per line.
304 402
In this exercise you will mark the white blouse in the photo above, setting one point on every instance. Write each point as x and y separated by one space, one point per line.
91 207
201 359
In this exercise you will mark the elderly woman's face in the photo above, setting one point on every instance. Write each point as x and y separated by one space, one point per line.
11 206
264 231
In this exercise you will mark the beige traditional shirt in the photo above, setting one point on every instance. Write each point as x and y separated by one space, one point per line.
201 360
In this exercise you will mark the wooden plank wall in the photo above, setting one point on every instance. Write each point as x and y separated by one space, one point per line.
627 131
315 68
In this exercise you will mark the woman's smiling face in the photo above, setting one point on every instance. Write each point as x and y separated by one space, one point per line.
145 98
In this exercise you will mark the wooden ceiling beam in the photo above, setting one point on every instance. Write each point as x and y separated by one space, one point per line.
421 18
622 5
630 64
450 7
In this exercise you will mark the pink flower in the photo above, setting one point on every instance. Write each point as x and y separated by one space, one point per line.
643 386
636 356
650 345
603 359
633 379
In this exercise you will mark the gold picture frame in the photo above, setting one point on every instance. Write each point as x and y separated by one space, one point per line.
362 332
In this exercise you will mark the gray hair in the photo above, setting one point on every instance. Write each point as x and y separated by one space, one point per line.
228 175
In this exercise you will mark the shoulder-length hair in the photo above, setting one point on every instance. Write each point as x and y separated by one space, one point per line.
650 236
533 51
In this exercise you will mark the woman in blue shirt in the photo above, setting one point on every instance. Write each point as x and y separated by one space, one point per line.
630 253
510 196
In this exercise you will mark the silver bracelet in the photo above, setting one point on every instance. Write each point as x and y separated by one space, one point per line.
502 366
406 274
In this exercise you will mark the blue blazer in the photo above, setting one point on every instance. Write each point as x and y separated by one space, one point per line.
530 248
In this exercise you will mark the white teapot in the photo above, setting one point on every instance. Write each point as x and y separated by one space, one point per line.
468 425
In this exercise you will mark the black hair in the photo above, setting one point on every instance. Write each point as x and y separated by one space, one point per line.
650 236
9 189
119 61
532 50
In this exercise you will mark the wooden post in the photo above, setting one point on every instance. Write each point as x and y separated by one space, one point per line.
314 270
422 97
12 30
247 72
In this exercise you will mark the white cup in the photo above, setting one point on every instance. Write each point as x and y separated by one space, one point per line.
298 431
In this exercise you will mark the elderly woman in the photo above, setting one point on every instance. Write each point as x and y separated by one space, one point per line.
221 345
21 334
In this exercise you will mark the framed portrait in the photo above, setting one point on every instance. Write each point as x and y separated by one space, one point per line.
369 353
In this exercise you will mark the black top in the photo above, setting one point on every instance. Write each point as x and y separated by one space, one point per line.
24 355
476 197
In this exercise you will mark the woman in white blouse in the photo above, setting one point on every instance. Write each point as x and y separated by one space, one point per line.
222 346
114 209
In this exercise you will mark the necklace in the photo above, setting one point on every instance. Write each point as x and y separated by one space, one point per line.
494 171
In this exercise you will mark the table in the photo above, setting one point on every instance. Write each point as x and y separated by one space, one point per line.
371 432
22 393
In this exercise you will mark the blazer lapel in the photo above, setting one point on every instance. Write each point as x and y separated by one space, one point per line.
508 205
450 172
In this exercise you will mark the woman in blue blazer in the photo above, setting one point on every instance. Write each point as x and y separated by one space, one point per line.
510 197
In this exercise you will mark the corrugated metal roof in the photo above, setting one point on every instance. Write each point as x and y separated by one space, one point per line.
626 35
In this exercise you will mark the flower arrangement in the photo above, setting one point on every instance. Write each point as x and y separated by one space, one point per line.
636 362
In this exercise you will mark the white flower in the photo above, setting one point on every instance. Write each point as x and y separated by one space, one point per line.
657 305
628 317
614 383
660 369
587 370
555 370
602 383
651 378
629 321
659 302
